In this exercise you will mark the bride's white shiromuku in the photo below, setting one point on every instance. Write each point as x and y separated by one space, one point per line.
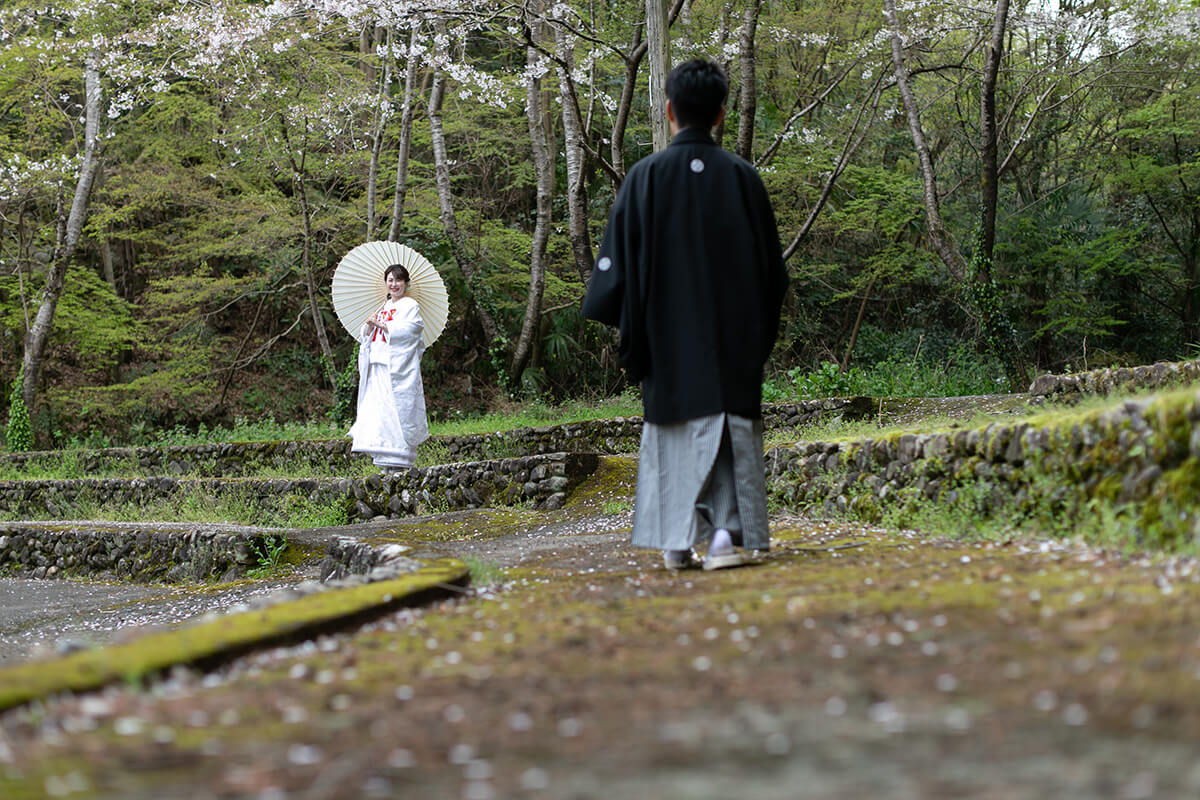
391 420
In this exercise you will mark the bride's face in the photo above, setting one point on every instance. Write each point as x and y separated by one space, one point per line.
396 286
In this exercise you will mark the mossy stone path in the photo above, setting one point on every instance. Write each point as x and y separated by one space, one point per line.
851 662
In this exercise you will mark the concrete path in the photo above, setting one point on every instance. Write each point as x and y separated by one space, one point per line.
41 617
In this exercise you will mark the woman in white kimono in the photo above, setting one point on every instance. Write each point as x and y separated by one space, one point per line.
391 399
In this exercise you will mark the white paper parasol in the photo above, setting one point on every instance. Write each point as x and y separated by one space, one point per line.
359 290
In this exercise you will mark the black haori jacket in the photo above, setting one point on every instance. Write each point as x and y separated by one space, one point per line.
691 272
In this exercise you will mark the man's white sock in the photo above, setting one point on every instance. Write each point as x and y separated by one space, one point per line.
721 542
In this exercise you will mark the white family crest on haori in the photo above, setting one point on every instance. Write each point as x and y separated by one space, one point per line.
359 290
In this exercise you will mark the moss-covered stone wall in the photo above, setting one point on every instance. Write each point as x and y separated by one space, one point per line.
1104 382
333 456
542 481
139 555
180 555
1140 459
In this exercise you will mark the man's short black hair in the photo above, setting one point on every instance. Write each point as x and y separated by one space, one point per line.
697 90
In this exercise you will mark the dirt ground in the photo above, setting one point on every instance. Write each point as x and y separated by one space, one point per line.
849 662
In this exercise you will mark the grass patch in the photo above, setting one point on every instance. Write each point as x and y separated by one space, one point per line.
234 506
533 415
483 572
613 507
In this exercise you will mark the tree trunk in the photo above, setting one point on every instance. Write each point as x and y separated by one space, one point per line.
939 237
637 51
543 166
306 255
577 194
106 262
624 106
441 168
748 94
989 174
406 123
381 94
311 284
722 38
43 323
659 44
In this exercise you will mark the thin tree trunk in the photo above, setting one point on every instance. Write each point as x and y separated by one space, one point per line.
380 121
722 38
43 323
625 105
577 194
543 166
748 104
989 173
862 310
637 52
306 256
939 237
406 123
441 168
106 261
659 44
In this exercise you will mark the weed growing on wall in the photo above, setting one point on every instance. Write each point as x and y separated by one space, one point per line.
267 552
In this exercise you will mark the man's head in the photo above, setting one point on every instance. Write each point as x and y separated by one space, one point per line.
696 92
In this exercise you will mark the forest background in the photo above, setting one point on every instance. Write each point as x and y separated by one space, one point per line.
973 191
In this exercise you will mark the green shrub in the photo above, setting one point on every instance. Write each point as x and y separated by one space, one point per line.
345 394
961 372
18 433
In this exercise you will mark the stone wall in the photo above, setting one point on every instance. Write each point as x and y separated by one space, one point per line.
178 555
333 456
542 481
143 555
1141 457
1117 379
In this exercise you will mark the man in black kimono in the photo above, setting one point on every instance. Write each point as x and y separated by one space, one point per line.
691 272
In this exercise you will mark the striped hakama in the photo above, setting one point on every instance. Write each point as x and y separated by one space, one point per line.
697 476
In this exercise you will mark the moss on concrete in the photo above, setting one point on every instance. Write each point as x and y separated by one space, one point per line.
210 642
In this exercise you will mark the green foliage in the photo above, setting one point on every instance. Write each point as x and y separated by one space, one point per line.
18 435
828 380
267 554
538 413
246 430
299 512
484 573
93 327
198 214
997 336
961 372
614 507
345 393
